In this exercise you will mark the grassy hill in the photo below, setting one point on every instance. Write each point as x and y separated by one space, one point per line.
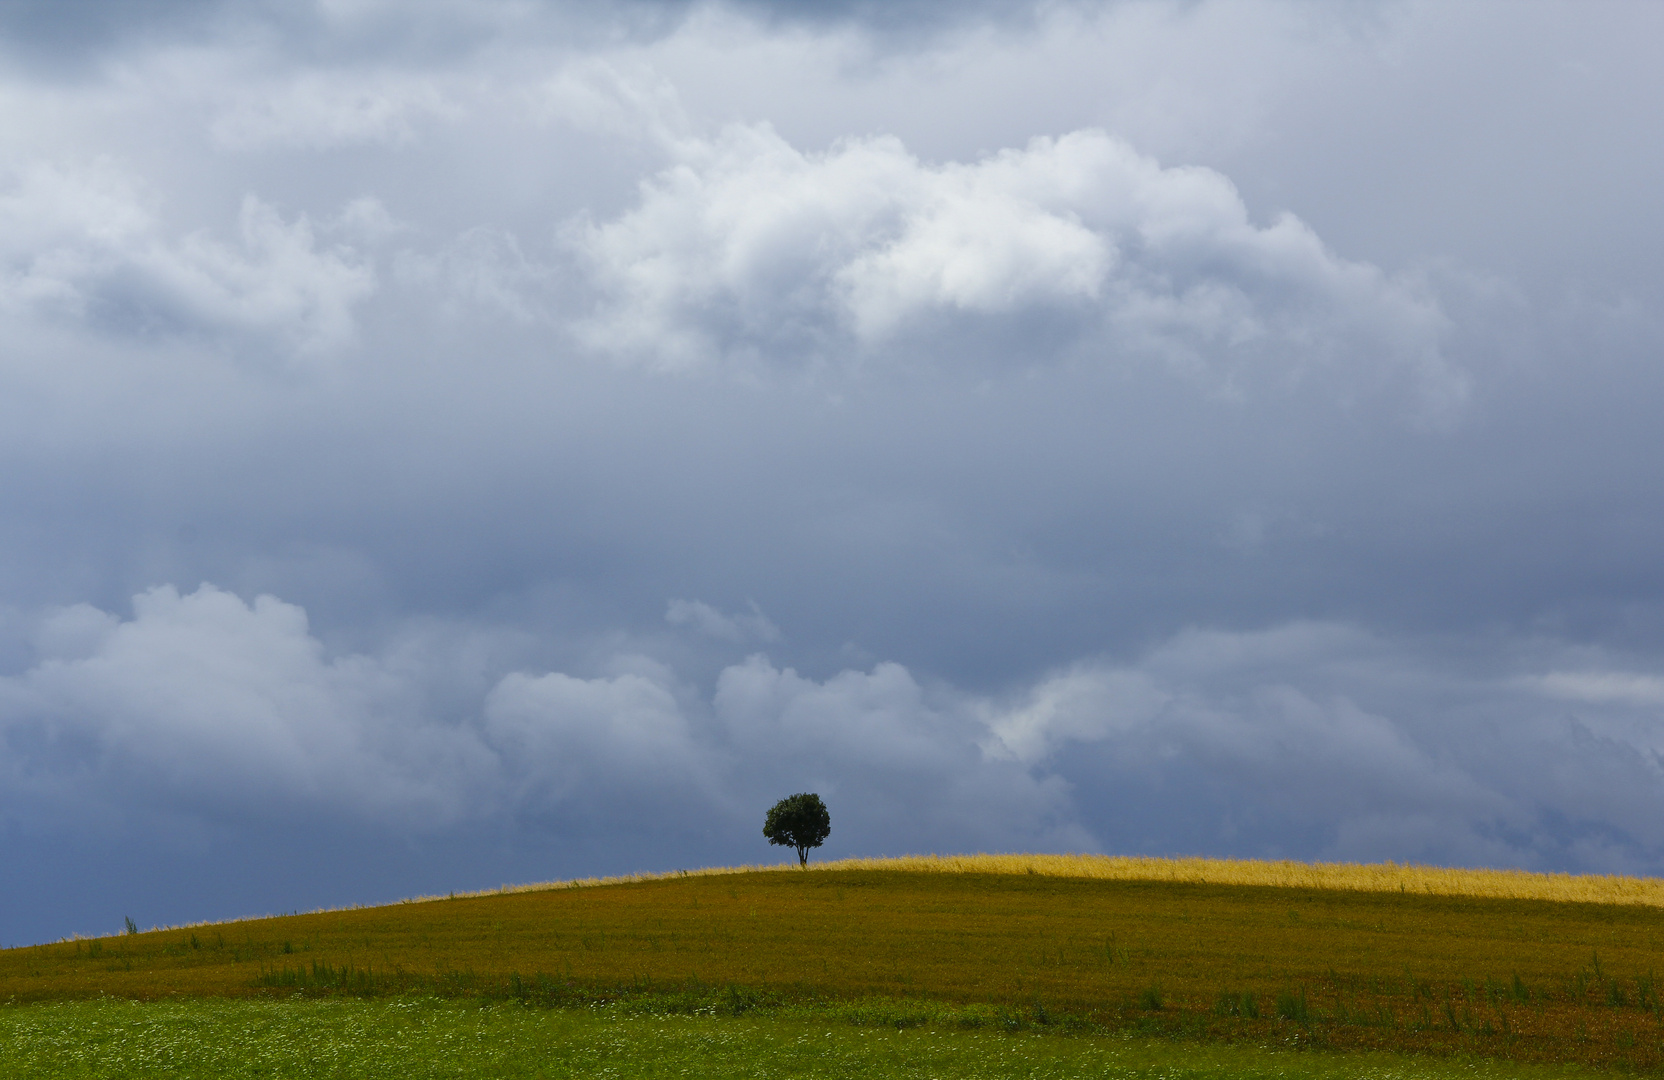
1393 958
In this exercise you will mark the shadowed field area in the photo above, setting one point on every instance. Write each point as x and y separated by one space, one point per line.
1529 980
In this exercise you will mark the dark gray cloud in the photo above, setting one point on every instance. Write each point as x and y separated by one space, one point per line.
904 22
76 25
59 38
456 454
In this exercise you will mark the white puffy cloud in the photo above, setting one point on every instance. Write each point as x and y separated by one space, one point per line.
879 718
602 740
84 243
1242 713
1084 704
749 247
204 704
1342 743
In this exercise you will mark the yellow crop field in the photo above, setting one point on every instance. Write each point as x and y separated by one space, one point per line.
1353 877
1183 948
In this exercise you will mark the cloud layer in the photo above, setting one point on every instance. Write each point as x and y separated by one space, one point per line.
1315 738
1222 427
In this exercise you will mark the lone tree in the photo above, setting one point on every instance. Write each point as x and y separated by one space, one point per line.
798 821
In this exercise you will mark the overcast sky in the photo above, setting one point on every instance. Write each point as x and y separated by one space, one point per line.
472 441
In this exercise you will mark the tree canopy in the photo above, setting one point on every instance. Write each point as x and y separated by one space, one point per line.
798 821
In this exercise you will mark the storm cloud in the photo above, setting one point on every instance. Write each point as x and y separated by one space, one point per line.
447 444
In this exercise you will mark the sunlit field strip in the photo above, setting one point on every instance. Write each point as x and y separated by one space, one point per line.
1357 877
1352 877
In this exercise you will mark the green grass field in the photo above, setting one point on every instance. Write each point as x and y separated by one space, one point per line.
1206 967
414 1039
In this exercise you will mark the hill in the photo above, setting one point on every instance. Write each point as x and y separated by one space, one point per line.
1184 950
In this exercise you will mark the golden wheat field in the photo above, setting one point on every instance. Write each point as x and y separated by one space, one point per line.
1493 964
1354 877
